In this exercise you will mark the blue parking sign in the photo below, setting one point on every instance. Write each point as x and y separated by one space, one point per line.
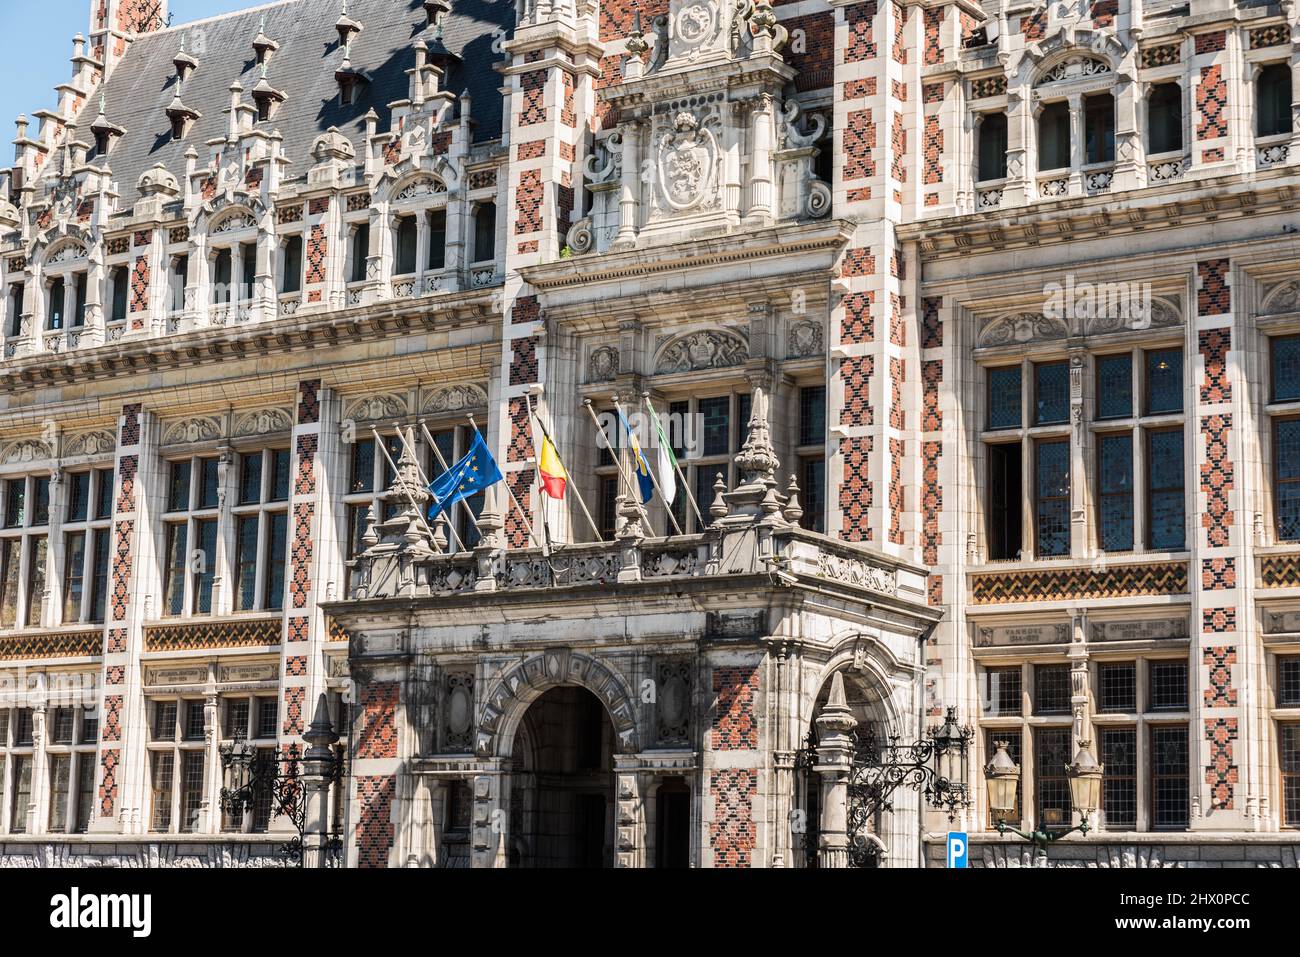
957 846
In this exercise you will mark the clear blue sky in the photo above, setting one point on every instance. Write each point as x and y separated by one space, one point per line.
36 44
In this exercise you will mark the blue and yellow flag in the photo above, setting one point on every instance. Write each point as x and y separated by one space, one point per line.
471 475
639 463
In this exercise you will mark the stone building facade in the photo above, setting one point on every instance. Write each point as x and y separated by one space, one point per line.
981 324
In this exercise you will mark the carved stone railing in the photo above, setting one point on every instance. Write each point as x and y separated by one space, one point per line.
1098 179
990 198
1053 187
1272 150
289 303
1166 168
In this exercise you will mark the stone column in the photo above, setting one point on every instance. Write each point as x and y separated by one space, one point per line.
627 200
760 205
487 833
1077 153
835 725
1021 161
629 825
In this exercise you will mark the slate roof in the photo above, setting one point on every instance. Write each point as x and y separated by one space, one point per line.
142 84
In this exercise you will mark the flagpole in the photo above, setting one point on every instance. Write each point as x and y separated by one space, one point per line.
686 486
618 461
547 435
668 506
511 492
428 437
379 442
451 526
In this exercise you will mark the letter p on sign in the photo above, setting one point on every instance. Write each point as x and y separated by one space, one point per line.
957 848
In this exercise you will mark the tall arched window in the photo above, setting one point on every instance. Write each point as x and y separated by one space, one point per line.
291 270
404 261
1165 118
993 146
55 307
485 232
1054 136
359 253
1099 128
437 239
1273 100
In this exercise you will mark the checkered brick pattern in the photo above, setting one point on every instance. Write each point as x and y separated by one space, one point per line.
375 831
860 44
116 643
1221 772
523 364
140 285
896 491
286 215
533 149
378 733
564 204
568 116
112 718
293 699
933 47
440 143
933 147
521 433
897 326
815 56
856 371
1214 347
357 202
855 489
1214 298
857 324
533 87
299 629
931 502
317 249
521 484
899 49
1218 621
126 469
108 762
1212 155
85 210
1218 574
735 727
253 178
858 262
932 93
897 376
300 554
931 326
898 137
142 238
898 90
115 674
528 202
1211 42
1212 103
733 832
305 483
309 402
1216 481
295 666
859 142
931 378
124 535
1220 693
860 89
525 309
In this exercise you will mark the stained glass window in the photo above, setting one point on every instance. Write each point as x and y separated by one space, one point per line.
1115 386
1168 691
1053 498
1115 491
1052 787
1052 689
1169 777
1119 784
1288 746
1166 505
1004 398
1051 393
715 413
1002 691
1286 368
1288 682
1117 687
1286 478
1012 739
1164 381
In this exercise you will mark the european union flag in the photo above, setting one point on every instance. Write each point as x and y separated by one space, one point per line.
471 475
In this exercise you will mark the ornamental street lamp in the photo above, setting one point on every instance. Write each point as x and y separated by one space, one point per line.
1002 776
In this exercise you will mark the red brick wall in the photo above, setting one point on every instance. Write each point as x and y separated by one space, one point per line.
378 734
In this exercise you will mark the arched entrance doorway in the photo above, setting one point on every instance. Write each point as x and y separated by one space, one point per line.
562 783
866 704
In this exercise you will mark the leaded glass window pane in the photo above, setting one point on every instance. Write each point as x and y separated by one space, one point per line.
205 534
1051 755
1117 687
78 496
209 483
1286 478
277 527
1115 386
1012 738
178 488
1288 746
363 466
1288 682
250 479
1286 369
1004 398
716 416
1002 692
1168 686
812 415
1164 381
1115 491
1169 778
161 788
280 475
1052 689
1119 784
246 564
1053 498
1166 501
1051 393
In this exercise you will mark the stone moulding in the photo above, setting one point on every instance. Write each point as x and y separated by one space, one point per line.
1075 583
199 636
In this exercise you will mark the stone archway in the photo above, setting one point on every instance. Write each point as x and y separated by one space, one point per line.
561 783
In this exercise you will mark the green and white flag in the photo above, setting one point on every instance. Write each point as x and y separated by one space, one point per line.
666 462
